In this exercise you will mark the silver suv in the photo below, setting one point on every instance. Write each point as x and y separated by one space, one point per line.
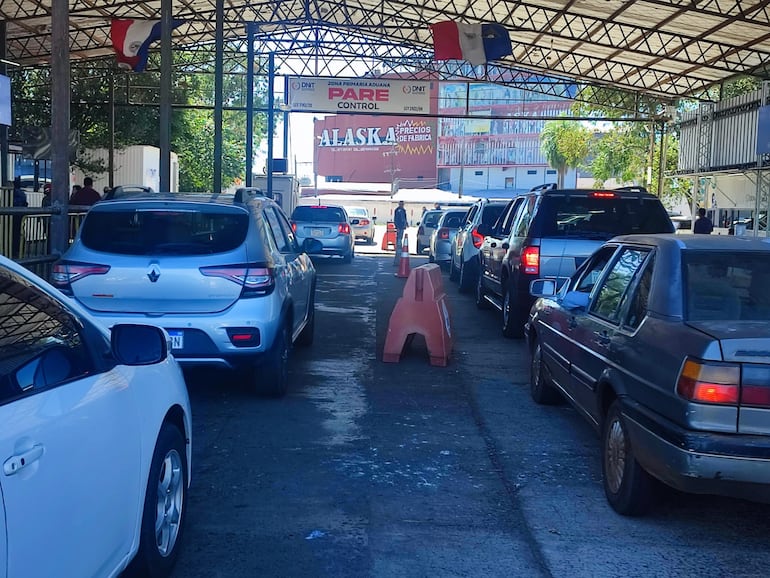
464 263
225 279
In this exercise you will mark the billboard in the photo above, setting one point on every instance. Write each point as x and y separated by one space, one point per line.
359 95
377 149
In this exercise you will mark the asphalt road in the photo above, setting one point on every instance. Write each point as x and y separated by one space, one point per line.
405 469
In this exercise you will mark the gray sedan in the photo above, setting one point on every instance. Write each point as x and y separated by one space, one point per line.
662 343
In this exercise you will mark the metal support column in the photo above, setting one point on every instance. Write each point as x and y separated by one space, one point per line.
218 98
60 123
270 120
4 150
164 134
111 154
762 197
250 104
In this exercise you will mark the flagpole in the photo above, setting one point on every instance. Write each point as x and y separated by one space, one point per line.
164 132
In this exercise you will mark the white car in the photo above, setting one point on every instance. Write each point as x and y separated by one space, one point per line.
95 439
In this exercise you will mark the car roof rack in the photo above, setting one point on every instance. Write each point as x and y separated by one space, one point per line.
543 187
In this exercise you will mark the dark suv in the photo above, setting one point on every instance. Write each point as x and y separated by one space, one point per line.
548 233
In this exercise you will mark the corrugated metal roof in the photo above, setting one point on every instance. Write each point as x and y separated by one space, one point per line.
665 48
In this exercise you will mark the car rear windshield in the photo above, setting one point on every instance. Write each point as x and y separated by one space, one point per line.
356 212
318 214
453 219
600 216
721 286
490 213
166 232
430 219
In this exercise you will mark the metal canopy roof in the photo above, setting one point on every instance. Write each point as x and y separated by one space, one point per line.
664 48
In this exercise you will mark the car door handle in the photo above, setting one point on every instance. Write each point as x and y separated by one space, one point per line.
602 337
18 462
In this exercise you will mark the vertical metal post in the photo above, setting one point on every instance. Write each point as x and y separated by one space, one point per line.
462 141
111 155
4 149
286 121
250 104
166 65
60 123
662 159
218 98
270 119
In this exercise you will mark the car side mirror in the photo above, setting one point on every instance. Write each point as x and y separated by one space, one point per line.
542 288
311 245
138 344
575 300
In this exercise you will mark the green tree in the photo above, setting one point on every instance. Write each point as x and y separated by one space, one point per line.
565 144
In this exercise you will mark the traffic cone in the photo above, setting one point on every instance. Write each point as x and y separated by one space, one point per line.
403 263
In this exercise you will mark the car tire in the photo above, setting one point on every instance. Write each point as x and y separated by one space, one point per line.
466 278
305 337
166 497
454 274
347 257
629 489
540 387
513 321
272 377
481 301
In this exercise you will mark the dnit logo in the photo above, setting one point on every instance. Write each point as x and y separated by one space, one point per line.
302 85
413 89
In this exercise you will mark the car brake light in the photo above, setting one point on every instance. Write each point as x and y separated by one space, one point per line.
477 238
344 228
443 233
716 383
294 226
602 195
755 385
255 280
530 260
66 273
364 222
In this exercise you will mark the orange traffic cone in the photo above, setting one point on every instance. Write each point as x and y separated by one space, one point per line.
403 263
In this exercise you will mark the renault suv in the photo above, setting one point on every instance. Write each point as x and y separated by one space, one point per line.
548 233
227 280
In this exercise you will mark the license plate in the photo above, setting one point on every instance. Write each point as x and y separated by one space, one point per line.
317 232
177 338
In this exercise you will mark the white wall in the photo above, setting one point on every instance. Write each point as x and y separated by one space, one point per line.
134 165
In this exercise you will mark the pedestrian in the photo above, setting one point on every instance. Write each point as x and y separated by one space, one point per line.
400 222
46 202
703 224
19 200
437 206
87 195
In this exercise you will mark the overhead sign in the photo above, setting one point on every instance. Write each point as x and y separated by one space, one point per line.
376 95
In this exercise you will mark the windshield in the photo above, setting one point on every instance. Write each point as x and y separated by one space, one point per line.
166 232
356 212
726 286
430 219
601 217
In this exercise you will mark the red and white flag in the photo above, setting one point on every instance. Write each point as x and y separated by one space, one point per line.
476 43
131 40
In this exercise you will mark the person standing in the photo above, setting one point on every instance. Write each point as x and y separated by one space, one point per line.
87 195
400 222
703 224
19 200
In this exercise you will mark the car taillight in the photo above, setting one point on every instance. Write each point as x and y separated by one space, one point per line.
477 238
364 222
530 260
443 233
66 273
343 228
709 382
294 226
755 385
255 280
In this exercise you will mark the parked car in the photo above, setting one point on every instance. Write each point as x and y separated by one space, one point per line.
464 250
328 224
96 439
439 250
126 190
548 232
663 343
362 224
228 281
427 224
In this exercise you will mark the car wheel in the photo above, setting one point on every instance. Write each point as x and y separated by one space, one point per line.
481 301
513 322
273 376
305 338
466 279
629 488
540 388
454 274
347 257
164 506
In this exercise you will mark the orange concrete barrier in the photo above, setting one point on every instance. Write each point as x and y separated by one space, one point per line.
389 238
403 262
422 309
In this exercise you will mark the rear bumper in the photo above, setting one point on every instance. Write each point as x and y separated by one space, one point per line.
700 462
